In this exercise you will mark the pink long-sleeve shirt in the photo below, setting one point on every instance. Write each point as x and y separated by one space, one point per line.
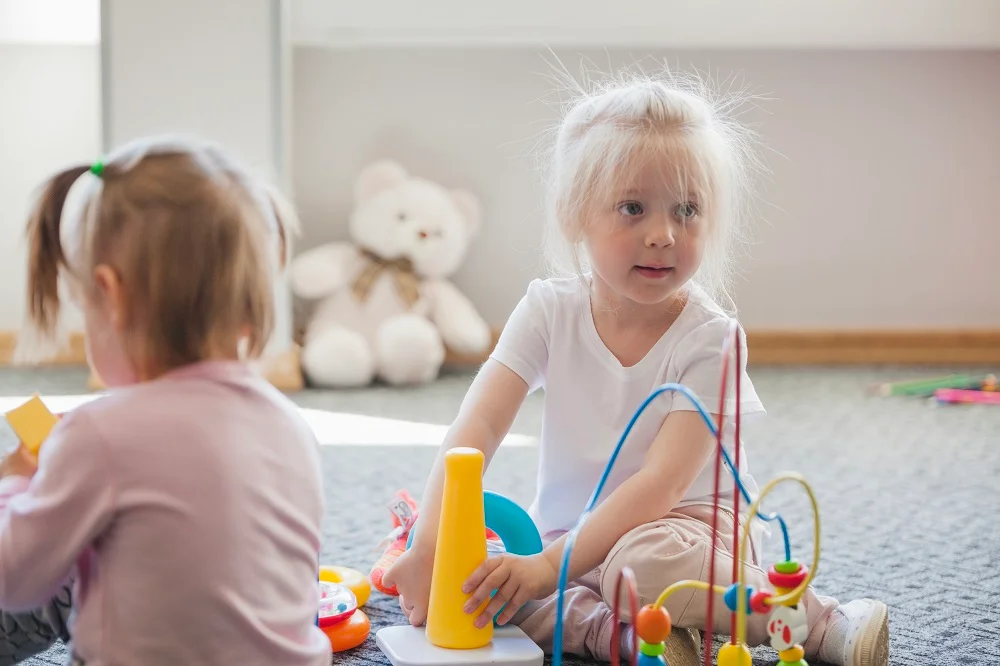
190 507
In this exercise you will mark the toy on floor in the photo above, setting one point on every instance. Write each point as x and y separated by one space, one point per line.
927 387
339 617
519 531
990 396
787 626
352 579
450 635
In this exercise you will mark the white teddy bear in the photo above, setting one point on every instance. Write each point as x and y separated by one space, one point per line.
387 308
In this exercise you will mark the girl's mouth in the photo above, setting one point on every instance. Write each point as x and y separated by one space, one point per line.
654 272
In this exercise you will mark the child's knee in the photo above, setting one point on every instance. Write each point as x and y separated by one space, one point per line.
658 554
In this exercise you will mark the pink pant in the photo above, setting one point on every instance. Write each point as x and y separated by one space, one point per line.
674 548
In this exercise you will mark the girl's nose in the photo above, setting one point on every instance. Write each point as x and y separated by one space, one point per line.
660 234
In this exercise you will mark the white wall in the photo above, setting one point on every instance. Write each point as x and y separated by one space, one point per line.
883 211
912 24
50 117
212 70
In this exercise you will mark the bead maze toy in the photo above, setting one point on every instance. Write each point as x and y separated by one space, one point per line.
450 635
786 625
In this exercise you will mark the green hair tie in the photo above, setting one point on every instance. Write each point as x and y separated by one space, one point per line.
97 168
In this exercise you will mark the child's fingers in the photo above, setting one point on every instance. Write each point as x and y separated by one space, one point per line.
518 599
389 576
482 572
499 600
418 616
493 581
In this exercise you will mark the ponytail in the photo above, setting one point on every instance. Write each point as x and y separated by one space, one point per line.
45 252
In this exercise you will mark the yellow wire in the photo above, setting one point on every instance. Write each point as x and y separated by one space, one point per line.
741 610
687 584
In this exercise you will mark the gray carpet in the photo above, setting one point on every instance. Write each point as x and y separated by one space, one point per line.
908 494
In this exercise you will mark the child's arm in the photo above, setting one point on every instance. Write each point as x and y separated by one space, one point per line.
484 419
46 523
679 452
676 457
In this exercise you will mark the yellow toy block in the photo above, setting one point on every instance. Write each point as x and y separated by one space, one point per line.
32 422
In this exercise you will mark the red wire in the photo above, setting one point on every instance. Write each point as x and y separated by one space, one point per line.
633 598
710 610
736 476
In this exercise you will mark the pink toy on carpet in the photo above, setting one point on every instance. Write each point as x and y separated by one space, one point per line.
404 514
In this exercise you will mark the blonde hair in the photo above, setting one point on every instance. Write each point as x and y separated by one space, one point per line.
196 242
612 128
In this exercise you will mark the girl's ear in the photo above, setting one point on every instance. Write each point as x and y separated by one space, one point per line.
111 295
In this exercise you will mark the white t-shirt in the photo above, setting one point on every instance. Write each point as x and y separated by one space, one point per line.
551 342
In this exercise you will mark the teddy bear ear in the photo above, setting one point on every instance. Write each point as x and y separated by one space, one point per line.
469 205
377 177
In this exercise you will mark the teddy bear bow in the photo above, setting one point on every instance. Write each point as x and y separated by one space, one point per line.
407 282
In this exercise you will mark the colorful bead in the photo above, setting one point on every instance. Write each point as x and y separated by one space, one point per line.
758 601
646 660
734 655
800 662
787 567
792 654
730 597
788 581
787 626
653 623
651 649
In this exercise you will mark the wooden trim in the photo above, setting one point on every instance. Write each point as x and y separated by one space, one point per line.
75 352
790 347
874 347
282 370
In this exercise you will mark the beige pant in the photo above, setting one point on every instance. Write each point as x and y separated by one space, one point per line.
674 548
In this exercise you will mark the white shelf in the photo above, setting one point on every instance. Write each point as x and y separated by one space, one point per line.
899 24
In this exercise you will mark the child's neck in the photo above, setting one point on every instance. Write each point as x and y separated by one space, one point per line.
628 329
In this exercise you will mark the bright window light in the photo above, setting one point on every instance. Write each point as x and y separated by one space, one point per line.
50 21
331 428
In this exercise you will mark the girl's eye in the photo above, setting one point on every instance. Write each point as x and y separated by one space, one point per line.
630 208
401 217
686 210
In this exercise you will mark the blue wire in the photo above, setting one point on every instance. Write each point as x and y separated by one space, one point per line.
571 538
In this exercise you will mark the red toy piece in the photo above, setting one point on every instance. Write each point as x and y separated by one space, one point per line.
788 581
404 514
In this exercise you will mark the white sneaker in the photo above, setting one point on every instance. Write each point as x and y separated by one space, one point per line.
858 635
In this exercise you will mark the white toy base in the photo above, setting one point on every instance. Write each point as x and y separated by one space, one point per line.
406 645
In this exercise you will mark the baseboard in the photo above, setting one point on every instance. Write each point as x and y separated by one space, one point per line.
74 353
790 347
282 369
874 347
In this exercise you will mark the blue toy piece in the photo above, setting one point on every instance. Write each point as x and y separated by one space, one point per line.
649 660
512 524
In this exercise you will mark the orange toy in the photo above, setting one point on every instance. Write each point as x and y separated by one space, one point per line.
350 633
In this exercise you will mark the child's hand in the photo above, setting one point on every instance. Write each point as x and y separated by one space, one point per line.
411 576
19 462
517 580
